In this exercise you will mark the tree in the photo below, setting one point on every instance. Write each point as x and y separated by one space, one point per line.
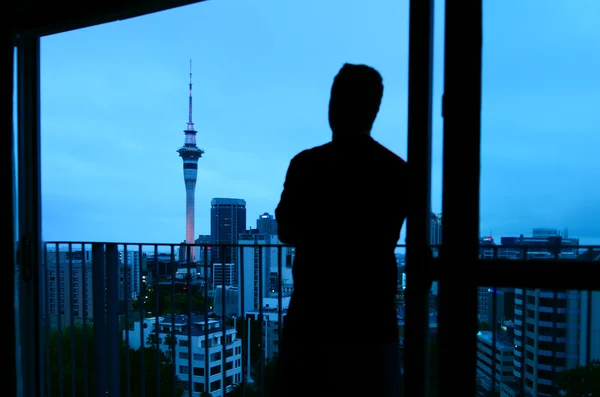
151 376
180 305
152 340
252 390
255 346
483 326
170 341
167 305
575 382
80 368
255 336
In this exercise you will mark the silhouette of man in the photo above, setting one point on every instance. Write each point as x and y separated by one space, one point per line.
343 206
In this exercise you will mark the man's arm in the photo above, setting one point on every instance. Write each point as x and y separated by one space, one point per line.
288 210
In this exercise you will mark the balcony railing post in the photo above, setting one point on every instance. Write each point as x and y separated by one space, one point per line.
554 332
71 313
261 289
523 342
113 291
142 312
494 336
157 328
224 324
243 314
172 308
188 283
60 274
47 318
99 317
206 308
84 294
128 280
588 344
279 295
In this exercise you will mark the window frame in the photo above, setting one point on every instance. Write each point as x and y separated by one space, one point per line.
461 167
29 214
460 207
9 207
29 21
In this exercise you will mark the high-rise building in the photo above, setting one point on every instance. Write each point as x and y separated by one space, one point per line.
190 153
543 244
260 267
551 326
435 240
204 252
70 289
182 254
503 351
266 224
162 264
270 326
551 329
487 250
136 264
231 301
190 335
227 221
224 273
75 296
505 305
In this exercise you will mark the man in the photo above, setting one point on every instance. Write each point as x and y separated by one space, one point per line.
343 206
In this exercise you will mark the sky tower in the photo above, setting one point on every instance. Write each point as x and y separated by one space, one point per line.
190 153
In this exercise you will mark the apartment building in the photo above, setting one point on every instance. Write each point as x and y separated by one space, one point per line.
504 358
201 357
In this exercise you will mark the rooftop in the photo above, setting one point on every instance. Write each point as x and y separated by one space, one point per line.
197 326
501 341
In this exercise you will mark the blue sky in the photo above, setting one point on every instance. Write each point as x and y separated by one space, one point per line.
114 106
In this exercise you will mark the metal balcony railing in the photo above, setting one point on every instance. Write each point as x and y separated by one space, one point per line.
165 320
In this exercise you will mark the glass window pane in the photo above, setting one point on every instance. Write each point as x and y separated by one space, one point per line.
538 194
115 106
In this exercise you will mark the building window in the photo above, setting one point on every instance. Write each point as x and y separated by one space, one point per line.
216 385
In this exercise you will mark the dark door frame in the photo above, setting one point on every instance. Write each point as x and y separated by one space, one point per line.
462 144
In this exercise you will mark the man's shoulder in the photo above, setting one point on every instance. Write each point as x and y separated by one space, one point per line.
311 153
379 152
388 156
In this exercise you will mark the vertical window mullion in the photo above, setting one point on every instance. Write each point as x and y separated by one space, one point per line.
29 213
8 212
457 315
416 378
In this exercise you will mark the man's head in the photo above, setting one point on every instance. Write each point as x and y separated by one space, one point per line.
355 98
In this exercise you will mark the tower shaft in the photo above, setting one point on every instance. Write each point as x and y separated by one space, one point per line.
190 204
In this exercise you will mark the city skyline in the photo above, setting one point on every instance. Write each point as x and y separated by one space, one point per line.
262 90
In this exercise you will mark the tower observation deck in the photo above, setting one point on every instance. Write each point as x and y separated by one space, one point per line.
190 153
